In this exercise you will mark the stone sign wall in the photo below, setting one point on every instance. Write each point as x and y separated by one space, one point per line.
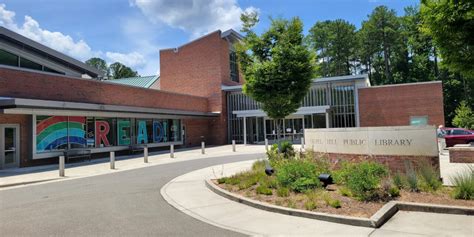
374 141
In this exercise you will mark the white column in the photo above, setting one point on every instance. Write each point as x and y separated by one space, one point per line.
145 154
202 148
245 130
266 144
327 119
233 145
302 143
61 166
112 160
172 151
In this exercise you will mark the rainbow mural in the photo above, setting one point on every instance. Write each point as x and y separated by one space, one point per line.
54 133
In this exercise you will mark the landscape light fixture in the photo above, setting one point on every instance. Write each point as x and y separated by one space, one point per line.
268 168
326 179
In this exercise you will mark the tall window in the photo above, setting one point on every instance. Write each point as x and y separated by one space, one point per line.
7 58
234 70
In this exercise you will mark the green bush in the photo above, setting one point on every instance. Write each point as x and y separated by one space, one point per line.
298 175
310 205
412 179
398 180
344 191
335 203
340 175
283 192
430 176
363 178
464 185
394 191
264 190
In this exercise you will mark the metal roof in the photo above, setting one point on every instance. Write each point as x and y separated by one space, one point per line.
48 53
143 82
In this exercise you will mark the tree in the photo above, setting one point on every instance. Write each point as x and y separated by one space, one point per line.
381 31
451 25
118 70
99 64
277 66
334 43
464 117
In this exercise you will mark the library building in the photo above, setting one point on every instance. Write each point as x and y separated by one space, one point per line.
51 103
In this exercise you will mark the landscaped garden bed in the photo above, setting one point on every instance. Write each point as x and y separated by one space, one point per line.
360 189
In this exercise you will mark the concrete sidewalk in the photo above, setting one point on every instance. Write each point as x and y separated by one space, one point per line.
11 178
189 194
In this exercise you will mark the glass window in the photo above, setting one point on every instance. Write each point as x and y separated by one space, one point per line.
47 69
7 58
460 132
124 132
175 130
77 132
105 132
90 135
234 70
25 63
51 133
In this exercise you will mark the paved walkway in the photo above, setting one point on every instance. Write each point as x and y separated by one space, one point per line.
189 194
10 178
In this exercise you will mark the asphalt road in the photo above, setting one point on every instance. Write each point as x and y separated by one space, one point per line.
125 203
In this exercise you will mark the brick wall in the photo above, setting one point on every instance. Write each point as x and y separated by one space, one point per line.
200 68
30 85
461 154
393 105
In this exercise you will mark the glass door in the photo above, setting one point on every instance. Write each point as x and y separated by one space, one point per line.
9 146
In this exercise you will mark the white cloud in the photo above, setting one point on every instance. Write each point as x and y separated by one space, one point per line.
195 16
78 49
133 59
56 40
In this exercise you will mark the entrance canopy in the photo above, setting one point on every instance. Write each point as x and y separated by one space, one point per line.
300 111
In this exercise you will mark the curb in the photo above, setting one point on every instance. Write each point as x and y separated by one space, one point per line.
375 221
27 182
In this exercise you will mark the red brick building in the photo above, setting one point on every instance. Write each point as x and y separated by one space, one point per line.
51 103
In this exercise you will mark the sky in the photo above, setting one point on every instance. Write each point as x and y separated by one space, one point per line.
133 31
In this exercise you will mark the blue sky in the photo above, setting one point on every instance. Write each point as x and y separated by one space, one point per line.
133 31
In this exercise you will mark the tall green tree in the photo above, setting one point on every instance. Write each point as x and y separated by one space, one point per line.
451 25
99 64
277 66
118 70
334 43
464 116
381 32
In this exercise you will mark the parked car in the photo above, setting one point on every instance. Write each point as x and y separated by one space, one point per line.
458 136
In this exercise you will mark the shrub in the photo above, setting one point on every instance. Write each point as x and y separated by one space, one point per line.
233 180
340 175
286 148
221 180
345 192
398 180
283 192
464 185
310 205
412 179
430 177
335 203
364 179
394 191
263 190
298 175
258 166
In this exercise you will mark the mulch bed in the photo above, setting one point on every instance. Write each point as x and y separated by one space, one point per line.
349 205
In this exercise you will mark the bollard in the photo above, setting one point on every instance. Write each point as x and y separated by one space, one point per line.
112 160
266 144
233 145
202 148
145 154
172 151
61 166
302 143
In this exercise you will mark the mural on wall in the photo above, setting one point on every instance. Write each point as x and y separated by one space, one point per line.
56 132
